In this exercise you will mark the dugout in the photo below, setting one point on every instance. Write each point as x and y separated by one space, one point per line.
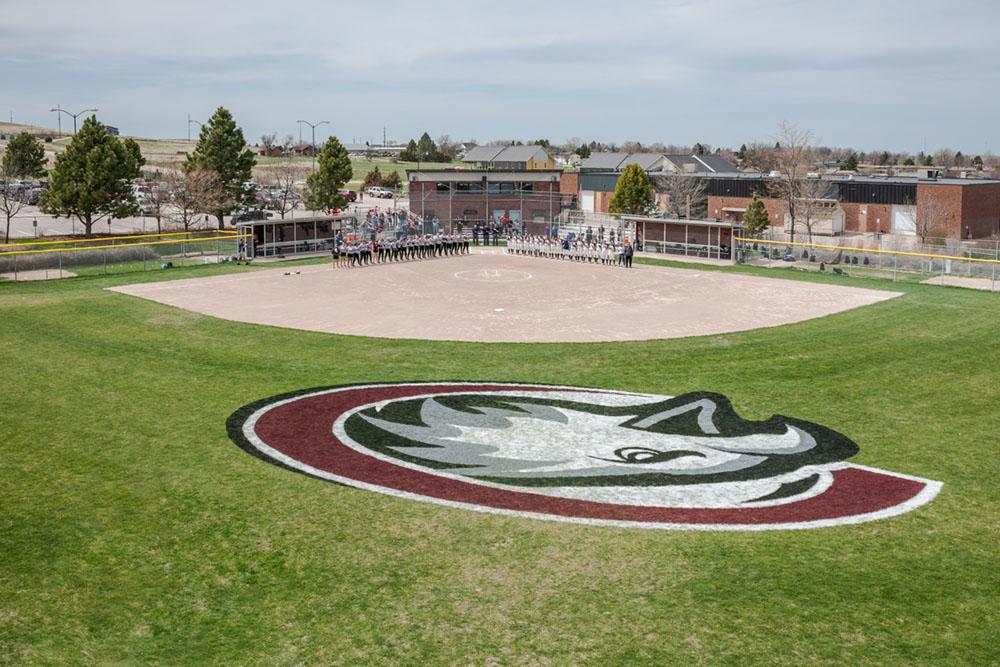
692 238
295 236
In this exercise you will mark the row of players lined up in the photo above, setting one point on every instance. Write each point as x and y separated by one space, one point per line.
401 250
581 251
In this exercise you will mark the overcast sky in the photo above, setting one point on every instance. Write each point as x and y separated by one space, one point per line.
899 74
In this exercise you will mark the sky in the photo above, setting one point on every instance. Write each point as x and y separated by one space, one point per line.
902 75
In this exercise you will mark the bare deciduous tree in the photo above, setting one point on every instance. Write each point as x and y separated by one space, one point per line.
759 156
815 204
157 202
13 198
268 142
283 180
195 191
685 195
931 219
793 160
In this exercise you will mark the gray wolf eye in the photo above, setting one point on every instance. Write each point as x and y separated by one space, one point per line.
647 455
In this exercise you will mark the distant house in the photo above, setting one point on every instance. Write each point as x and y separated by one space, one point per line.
509 157
700 164
648 162
605 161
112 130
609 162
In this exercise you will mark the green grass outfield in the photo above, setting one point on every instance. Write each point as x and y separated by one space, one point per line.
132 530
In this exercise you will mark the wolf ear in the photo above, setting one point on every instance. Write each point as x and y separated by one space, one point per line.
687 414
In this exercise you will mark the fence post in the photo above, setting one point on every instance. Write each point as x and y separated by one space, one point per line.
15 268
104 253
59 257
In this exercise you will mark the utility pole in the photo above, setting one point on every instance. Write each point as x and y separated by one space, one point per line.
313 126
192 120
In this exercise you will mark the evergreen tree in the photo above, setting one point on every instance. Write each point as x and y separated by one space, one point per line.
908 162
221 148
392 181
741 154
409 153
132 146
333 170
373 179
583 151
24 157
928 160
633 194
427 150
977 162
755 217
851 163
92 178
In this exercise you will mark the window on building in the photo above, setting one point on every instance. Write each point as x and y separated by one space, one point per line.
468 188
527 187
501 188
442 187
471 213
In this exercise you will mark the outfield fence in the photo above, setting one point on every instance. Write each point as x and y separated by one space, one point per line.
960 265
41 260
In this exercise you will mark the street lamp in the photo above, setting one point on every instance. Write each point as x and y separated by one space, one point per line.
71 115
313 126
191 120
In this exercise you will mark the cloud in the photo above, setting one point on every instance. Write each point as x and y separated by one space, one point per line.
863 73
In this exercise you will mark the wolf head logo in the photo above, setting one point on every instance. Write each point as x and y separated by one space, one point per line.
528 441
577 454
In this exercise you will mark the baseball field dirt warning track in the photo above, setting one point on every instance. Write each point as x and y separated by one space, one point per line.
493 297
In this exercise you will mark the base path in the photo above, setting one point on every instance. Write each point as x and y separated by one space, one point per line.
494 297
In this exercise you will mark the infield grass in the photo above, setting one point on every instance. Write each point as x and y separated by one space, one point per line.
133 531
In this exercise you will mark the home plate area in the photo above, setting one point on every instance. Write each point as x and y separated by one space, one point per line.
494 297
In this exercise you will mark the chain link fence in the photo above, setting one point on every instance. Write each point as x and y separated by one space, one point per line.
955 264
46 260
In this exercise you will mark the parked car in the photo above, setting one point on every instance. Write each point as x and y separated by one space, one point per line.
250 214
349 195
379 193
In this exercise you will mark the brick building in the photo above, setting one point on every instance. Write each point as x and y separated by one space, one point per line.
953 207
958 208
477 195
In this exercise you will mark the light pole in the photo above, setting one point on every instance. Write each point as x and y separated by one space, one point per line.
71 115
191 120
313 126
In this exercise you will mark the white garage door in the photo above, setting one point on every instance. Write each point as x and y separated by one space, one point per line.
904 220
587 201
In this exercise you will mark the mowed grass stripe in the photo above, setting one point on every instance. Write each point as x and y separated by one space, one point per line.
135 531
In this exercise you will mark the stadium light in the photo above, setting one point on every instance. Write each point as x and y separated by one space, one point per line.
313 126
